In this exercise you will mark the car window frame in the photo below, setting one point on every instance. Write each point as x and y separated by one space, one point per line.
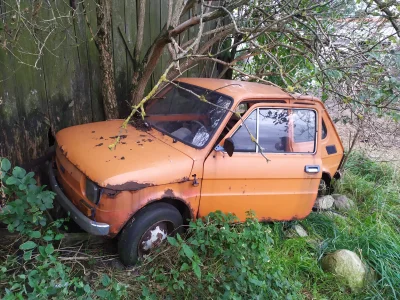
250 111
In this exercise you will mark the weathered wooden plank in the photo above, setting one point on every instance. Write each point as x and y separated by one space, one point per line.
155 28
24 125
165 58
93 62
192 34
66 83
147 38
130 33
8 108
119 53
83 59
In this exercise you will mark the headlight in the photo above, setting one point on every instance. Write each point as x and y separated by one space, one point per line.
92 191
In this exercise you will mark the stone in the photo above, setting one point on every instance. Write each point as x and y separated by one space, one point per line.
324 202
333 215
342 202
300 230
347 265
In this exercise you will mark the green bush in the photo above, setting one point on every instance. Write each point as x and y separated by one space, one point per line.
219 259
34 271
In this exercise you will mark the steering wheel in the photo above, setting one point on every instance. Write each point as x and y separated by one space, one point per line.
200 124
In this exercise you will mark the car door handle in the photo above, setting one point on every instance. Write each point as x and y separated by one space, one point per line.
311 169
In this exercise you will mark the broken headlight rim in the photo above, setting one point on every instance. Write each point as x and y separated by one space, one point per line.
92 191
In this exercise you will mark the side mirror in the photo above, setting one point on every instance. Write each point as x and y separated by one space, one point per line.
229 146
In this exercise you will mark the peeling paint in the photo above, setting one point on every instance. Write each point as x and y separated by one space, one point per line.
169 193
121 137
129 186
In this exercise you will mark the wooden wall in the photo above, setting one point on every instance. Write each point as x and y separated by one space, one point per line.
64 89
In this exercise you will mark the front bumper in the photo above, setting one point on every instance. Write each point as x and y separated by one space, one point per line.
84 222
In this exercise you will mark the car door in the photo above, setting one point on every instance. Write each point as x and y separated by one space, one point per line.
285 187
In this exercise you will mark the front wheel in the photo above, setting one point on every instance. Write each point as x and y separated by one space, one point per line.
146 230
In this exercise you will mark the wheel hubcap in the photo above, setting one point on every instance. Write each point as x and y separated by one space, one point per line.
153 237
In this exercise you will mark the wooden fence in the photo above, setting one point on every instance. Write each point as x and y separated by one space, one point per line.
64 89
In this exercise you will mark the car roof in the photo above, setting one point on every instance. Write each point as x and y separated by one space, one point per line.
240 90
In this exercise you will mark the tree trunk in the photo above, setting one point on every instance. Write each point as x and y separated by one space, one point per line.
103 41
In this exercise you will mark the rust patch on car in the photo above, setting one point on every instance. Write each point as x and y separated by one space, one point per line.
98 145
181 180
169 193
129 186
266 220
295 218
111 193
63 151
121 137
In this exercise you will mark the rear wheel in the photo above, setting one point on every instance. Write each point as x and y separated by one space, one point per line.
146 230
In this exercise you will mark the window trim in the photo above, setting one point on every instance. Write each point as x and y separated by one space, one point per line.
280 107
323 124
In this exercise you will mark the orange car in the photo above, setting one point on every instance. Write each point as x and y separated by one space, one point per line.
189 157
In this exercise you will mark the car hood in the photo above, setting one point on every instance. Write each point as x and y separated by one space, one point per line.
138 160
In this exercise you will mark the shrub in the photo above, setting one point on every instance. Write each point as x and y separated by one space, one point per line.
34 271
218 259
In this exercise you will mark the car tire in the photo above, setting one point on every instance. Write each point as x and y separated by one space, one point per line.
146 230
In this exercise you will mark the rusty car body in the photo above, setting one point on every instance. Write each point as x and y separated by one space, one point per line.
176 168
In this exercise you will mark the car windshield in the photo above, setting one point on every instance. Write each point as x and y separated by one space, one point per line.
183 116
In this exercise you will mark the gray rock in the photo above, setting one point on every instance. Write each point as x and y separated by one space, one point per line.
332 215
300 230
324 202
342 202
348 265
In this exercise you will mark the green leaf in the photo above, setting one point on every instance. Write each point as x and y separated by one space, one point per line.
196 269
103 294
184 267
172 241
5 165
35 234
19 172
28 255
105 280
49 249
86 288
48 238
59 236
188 252
28 245
42 251
11 180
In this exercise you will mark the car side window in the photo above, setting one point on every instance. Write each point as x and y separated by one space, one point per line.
273 130
241 137
304 125
278 130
